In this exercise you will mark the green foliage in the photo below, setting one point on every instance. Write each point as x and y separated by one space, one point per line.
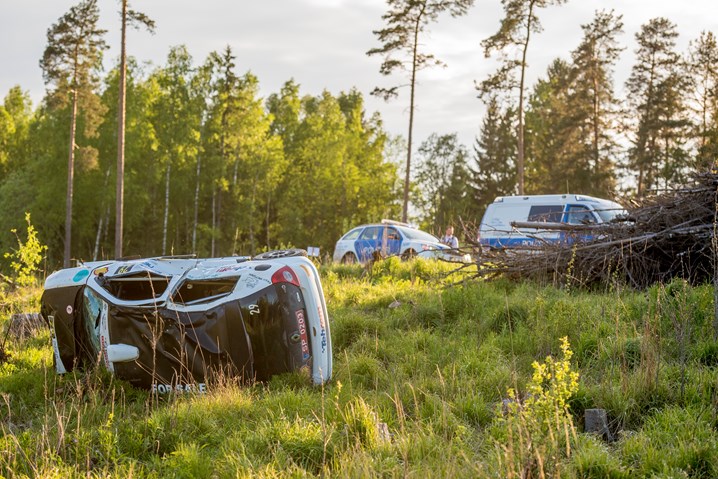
538 430
441 177
26 259
658 153
495 152
420 372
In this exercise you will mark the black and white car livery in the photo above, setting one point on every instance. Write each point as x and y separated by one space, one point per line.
177 323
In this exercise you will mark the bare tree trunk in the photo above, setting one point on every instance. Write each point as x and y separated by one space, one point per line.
714 244
96 251
70 182
596 115
196 205
251 216
269 199
167 209
120 193
412 86
520 153
214 218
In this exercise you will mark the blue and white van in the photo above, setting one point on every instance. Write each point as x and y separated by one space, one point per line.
496 228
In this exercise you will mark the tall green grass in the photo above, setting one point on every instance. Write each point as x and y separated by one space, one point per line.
422 370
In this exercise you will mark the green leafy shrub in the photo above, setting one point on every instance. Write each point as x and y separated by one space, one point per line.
536 434
27 257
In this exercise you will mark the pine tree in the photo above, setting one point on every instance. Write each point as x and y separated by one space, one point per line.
656 87
132 18
703 68
552 136
495 153
519 22
70 62
407 22
593 103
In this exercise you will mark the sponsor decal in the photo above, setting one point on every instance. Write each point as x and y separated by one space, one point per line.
80 275
180 388
234 267
259 278
322 324
301 323
147 265
124 269
250 281
100 271
324 341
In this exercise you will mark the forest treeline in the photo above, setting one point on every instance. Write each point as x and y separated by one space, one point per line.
212 168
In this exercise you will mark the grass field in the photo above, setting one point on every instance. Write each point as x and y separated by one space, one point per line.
429 381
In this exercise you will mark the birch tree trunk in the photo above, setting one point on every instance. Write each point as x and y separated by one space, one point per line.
167 209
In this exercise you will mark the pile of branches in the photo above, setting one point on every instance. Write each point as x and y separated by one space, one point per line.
667 236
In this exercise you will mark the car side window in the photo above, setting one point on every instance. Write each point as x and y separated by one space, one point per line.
392 234
579 215
546 213
371 233
352 235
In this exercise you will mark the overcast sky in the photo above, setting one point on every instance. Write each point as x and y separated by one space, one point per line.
322 44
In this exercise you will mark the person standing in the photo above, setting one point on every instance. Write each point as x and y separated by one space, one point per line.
449 239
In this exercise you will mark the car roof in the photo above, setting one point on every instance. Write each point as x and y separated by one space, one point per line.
564 198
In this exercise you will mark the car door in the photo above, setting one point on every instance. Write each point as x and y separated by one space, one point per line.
369 241
393 241
578 215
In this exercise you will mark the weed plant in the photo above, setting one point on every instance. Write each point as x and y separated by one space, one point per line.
433 377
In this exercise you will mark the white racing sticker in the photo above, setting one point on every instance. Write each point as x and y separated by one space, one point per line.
105 337
59 366
179 388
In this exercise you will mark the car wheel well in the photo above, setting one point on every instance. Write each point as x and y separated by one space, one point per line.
408 254
349 258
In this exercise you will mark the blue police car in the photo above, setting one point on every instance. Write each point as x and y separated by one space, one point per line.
388 238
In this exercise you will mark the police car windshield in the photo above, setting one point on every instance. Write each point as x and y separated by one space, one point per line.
419 235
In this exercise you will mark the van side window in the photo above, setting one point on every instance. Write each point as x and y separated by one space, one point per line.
546 213
579 215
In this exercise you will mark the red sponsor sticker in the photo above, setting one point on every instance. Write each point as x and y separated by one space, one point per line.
302 325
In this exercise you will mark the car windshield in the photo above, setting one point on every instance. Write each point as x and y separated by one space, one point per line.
607 214
353 234
419 235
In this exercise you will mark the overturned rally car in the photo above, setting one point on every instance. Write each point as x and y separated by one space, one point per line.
177 323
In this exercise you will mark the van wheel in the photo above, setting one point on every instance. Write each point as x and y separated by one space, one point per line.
408 254
349 258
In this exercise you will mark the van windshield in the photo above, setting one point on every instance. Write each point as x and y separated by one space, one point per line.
608 214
